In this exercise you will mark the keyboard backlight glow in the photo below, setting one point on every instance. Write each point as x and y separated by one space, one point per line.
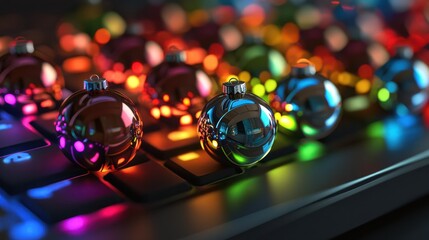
188 156
181 135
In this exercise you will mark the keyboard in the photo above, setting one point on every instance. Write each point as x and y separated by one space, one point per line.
173 189
370 165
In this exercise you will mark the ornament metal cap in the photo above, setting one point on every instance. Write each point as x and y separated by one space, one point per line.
176 56
404 51
95 83
21 46
303 68
234 88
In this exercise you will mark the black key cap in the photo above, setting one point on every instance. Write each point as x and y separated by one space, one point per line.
199 168
148 181
69 198
39 167
167 143
14 137
45 125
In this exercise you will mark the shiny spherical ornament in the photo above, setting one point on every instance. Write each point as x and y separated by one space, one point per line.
99 128
176 91
237 127
29 83
307 105
403 83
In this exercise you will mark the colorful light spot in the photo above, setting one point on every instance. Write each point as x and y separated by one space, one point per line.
289 107
10 99
16 158
186 120
310 150
383 95
288 122
363 86
102 36
215 143
210 62
188 156
79 146
30 230
95 157
133 82
74 225
165 111
47 191
156 113
308 130
270 85
258 90
29 109
182 134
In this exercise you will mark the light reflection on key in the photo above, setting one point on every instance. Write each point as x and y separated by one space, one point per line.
47 191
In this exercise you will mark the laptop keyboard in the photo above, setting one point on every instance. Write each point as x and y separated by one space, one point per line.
170 168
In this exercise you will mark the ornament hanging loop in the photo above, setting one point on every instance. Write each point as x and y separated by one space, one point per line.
95 83
234 88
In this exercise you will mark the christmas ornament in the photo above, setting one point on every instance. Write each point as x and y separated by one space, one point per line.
403 83
99 128
256 57
237 127
176 92
126 60
29 83
306 104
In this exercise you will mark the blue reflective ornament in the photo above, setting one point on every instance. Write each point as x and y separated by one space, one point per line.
99 128
307 105
403 83
237 127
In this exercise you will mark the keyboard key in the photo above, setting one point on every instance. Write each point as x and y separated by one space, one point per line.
23 170
167 143
200 169
69 198
14 137
148 181
45 125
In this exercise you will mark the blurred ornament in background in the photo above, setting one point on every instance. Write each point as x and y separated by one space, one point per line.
99 128
175 91
126 60
256 57
237 127
403 83
29 83
306 104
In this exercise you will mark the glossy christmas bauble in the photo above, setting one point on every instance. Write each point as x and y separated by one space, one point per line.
307 105
99 128
237 127
403 83
29 83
